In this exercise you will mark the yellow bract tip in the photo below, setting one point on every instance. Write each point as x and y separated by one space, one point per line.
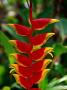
48 50
13 65
16 76
46 63
50 34
12 41
12 25
54 20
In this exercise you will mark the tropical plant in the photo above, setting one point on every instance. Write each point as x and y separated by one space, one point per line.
30 56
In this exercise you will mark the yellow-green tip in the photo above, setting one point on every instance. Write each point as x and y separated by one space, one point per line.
54 20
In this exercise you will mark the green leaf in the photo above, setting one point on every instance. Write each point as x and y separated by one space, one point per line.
59 87
59 49
59 69
57 81
4 41
43 84
63 79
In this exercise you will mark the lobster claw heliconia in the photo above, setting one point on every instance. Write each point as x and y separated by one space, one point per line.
31 67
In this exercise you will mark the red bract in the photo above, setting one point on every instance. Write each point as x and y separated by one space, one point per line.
40 39
22 46
23 60
39 24
38 54
31 65
21 30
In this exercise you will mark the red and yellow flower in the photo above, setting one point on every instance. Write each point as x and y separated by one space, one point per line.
31 63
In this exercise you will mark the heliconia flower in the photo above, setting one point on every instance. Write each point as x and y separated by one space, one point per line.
41 23
37 24
31 65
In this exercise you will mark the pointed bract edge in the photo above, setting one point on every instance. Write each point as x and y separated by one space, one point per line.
48 35
47 50
16 67
46 63
44 23
44 73
41 65
16 76
13 67
54 21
